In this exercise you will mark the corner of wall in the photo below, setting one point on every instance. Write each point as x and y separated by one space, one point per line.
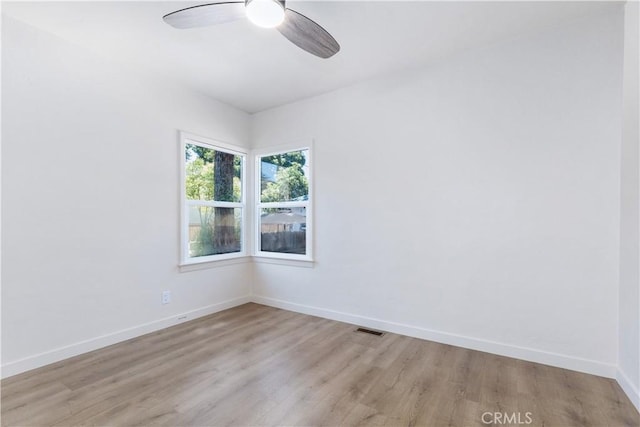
628 372
629 389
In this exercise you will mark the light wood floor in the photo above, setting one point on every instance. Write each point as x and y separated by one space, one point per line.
256 365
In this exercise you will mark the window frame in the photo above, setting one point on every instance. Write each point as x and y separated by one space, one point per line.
189 138
307 204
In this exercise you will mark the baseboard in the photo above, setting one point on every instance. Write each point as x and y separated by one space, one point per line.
630 390
529 354
42 359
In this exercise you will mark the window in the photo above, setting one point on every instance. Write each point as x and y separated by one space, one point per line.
283 208
213 200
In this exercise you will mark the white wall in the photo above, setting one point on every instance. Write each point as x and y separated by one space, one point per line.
474 202
629 327
90 200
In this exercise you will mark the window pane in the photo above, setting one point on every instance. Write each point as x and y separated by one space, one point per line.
284 177
212 175
283 230
214 231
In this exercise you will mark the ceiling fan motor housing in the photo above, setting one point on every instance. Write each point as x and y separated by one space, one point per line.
282 2
265 13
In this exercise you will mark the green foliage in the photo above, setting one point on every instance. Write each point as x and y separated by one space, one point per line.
199 180
286 159
200 174
290 180
290 184
197 152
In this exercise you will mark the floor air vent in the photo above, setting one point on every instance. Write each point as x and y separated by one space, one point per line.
369 331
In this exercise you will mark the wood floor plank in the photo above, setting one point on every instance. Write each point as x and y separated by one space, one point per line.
196 371
307 377
259 366
147 374
361 415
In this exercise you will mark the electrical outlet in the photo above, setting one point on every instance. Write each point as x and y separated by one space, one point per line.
166 297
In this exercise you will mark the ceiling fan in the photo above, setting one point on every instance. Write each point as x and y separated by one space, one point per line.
299 29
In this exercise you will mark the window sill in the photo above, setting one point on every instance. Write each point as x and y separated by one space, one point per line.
204 265
282 261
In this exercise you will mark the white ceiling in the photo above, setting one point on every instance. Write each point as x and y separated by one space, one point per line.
255 69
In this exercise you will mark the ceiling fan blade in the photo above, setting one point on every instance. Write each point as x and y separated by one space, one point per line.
308 35
206 14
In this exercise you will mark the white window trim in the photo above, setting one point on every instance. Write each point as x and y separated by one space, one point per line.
307 259
189 138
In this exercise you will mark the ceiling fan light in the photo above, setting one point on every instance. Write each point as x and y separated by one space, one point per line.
265 13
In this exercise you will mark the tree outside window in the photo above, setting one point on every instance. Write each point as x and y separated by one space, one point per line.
214 200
